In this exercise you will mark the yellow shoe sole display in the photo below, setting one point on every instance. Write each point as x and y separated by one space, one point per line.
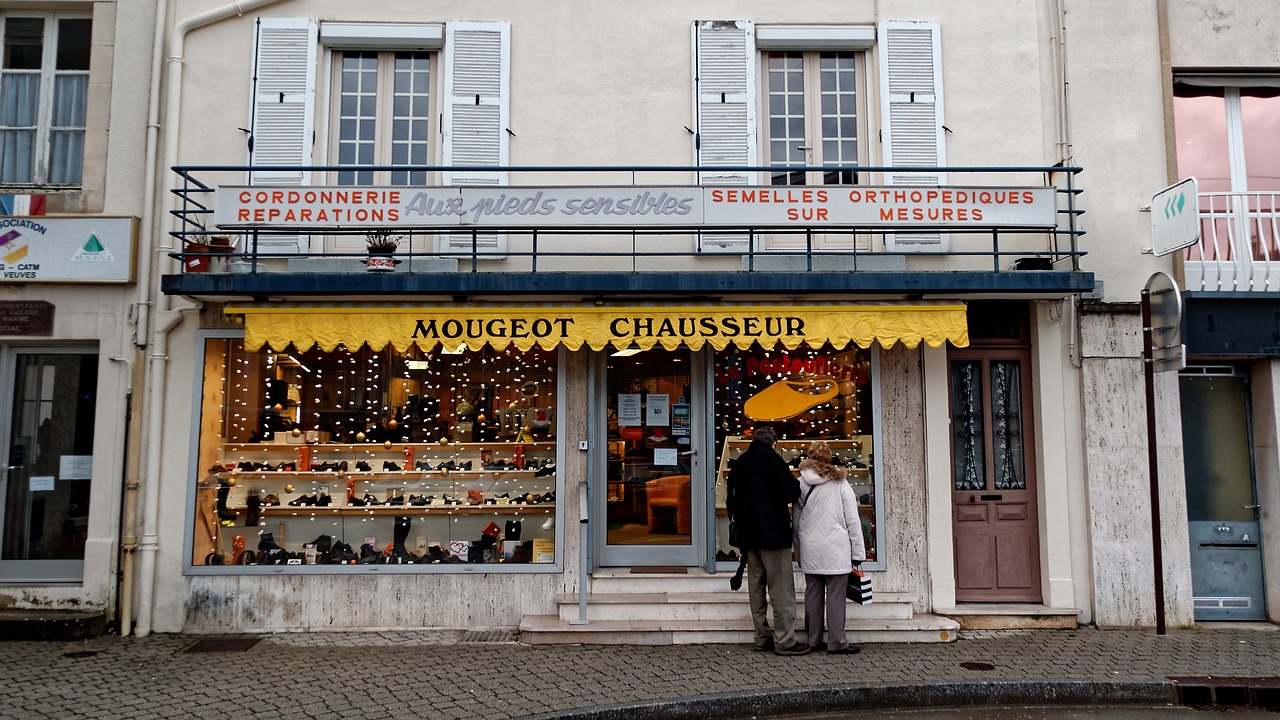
788 398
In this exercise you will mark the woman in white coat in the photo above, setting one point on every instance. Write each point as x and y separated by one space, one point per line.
828 539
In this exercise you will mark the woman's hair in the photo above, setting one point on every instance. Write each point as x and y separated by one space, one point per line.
820 451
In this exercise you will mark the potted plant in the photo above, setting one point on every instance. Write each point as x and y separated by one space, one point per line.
381 245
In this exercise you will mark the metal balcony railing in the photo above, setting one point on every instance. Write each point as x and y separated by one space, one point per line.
640 249
1239 248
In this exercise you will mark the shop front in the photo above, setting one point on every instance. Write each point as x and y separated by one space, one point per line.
429 438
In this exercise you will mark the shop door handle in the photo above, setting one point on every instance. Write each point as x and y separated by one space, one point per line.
1253 506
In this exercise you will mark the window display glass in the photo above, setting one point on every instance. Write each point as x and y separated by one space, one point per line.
805 395
359 457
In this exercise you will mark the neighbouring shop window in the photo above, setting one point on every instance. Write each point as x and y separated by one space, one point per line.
357 457
382 115
822 394
44 90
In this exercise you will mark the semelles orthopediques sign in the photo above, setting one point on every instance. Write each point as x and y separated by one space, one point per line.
320 207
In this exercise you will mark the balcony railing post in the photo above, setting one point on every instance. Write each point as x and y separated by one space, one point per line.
995 249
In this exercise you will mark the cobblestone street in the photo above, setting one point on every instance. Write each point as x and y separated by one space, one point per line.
485 674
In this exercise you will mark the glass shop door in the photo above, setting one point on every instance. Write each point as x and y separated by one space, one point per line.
47 399
652 491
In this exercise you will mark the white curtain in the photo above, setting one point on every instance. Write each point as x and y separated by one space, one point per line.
19 105
66 141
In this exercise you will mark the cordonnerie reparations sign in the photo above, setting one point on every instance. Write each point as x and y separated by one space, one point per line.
598 328
287 208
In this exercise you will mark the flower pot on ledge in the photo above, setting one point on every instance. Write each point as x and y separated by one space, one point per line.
380 262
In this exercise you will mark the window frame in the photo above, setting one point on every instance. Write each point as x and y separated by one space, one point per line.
48 73
384 111
811 66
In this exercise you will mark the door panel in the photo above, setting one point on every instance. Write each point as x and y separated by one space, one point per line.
653 500
49 403
1226 554
995 529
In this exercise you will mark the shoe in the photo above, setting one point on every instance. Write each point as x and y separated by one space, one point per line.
370 500
847 650
549 523
363 466
421 465
545 470
271 499
303 500
324 499
390 466
766 647
795 649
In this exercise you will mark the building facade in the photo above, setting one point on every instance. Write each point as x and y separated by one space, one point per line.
462 320
74 89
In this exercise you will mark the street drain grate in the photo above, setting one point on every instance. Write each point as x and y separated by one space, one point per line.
223 645
977 666
80 654
1226 694
497 635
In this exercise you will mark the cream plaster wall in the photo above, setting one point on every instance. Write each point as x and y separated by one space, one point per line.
1223 34
619 93
1113 69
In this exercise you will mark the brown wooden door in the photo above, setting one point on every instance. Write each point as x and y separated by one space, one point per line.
997 554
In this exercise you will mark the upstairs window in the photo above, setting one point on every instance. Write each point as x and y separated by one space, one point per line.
382 115
44 87
812 115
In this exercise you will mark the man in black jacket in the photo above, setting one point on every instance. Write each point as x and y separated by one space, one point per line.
761 489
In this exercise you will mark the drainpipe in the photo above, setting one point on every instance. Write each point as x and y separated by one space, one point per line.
158 304
129 538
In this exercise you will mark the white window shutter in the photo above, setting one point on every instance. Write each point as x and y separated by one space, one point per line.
911 92
477 108
283 123
724 87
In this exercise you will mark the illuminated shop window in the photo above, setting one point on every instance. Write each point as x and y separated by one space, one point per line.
808 395
357 457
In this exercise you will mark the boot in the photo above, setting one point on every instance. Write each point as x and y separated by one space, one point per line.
225 516
401 534
267 541
252 514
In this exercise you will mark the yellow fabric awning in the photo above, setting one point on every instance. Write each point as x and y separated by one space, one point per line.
547 326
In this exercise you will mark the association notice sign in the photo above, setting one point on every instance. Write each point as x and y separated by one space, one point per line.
67 249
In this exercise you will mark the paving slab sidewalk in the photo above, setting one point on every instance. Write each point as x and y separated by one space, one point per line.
486 674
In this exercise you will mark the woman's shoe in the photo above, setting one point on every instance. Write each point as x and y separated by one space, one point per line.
370 500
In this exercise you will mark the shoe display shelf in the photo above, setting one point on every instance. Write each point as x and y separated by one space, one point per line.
373 479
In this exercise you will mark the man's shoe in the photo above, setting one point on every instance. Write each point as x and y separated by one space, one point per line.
766 647
847 650
796 649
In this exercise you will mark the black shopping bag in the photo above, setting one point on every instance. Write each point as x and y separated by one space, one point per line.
859 588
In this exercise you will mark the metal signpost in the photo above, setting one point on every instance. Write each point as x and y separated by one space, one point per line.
1161 352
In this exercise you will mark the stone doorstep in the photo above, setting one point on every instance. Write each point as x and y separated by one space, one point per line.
728 605
52 624
549 629
1011 616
